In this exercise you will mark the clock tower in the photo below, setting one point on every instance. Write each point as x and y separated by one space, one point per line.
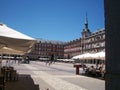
85 33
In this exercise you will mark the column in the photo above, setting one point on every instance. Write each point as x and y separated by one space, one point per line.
112 27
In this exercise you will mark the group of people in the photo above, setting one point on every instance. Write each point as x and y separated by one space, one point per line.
93 70
97 71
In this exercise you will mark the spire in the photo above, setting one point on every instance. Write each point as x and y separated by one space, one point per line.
86 32
86 22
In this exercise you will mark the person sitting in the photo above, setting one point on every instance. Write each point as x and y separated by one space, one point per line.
92 71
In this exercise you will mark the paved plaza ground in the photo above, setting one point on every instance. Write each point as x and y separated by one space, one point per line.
59 76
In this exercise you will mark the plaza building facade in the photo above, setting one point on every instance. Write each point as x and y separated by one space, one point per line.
46 48
88 43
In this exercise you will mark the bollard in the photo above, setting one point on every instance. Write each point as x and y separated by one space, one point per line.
77 66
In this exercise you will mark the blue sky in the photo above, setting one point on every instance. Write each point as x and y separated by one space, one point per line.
61 20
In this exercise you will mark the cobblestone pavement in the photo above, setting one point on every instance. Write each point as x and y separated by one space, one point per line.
58 76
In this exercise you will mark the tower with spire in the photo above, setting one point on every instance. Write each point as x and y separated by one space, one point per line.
86 32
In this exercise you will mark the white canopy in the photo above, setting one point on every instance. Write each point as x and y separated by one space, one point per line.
14 40
83 56
98 55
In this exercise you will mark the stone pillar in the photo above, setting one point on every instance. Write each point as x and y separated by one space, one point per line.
112 27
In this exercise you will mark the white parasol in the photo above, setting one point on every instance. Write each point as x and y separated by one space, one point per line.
13 39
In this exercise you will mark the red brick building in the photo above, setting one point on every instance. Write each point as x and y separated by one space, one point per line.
46 48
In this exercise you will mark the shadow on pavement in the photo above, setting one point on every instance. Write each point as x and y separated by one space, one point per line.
25 82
